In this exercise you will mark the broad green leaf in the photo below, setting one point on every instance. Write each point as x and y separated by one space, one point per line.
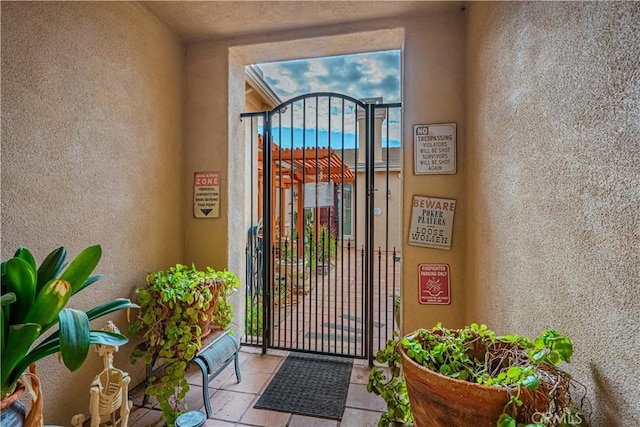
51 267
101 310
19 340
51 299
90 281
4 315
25 255
81 267
104 309
20 278
110 307
2 333
74 337
52 345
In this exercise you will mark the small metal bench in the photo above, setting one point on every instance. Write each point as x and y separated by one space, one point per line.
213 358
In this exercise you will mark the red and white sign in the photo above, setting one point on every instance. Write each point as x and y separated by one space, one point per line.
434 284
206 195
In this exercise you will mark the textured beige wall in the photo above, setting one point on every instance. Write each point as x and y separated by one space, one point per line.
433 92
553 185
91 153
206 149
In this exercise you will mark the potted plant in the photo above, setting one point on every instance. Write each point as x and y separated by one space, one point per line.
33 301
175 306
222 313
470 376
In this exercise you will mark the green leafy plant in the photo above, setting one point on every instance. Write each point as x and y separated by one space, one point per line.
391 388
33 301
223 310
254 317
474 354
173 306
321 247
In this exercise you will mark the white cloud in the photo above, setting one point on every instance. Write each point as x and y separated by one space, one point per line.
358 76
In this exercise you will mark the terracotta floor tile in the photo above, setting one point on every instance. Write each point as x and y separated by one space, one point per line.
262 363
219 423
303 421
243 357
359 418
136 414
227 374
194 399
150 418
278 353
359 398
252 382
360 374
250 349
265 418
230 405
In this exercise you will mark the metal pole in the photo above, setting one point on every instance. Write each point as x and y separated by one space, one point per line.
266 234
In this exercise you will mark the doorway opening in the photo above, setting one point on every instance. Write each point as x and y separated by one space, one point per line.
323 251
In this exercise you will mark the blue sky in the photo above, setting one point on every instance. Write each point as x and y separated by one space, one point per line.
366 75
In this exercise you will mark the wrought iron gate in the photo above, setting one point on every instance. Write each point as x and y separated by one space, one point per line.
322 258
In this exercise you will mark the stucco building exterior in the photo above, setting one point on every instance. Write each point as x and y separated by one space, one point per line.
108 109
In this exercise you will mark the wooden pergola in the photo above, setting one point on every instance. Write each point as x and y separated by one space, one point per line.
293 168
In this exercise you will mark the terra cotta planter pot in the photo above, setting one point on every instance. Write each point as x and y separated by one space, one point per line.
440 401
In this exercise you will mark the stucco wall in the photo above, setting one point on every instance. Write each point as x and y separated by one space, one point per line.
91 154
433 92
553 185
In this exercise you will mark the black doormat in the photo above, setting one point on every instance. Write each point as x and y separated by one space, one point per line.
309 384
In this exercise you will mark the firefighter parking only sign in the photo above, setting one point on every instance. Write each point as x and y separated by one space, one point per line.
435 284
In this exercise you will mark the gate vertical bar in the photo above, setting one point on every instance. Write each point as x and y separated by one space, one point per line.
369 229
266 235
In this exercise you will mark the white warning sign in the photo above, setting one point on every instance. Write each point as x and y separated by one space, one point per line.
206 195
435 149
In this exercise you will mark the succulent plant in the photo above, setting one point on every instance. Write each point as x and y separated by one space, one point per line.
33 301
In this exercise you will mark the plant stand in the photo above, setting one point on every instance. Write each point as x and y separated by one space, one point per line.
213 357
212 360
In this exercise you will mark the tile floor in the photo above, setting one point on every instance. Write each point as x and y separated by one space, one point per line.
233 402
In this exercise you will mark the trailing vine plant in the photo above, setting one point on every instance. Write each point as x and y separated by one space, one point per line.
527 369
172 305
223 309
392 389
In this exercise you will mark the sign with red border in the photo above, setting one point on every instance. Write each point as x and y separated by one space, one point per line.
434 284
206 195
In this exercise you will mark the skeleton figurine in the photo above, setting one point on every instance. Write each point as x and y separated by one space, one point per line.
109 390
